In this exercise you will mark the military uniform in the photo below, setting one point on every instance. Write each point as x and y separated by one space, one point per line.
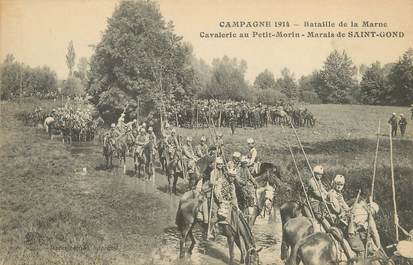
232 122
253 159
141 141
402 125
201 150
393 123
316 194
246 188
224 193
338 205
188 157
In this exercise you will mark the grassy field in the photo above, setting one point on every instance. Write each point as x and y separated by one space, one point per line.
53 213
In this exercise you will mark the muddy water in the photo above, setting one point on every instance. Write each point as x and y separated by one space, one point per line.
267 235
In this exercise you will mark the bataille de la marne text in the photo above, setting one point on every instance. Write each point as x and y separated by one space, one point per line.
287 29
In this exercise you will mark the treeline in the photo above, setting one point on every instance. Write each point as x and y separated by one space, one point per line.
142 64
20 80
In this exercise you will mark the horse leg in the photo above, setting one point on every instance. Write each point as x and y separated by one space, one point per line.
284 248
230 241
175 176
191 236
184 234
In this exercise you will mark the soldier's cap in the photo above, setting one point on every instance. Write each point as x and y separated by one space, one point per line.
189 138
394 113
250 140
173 131
167 125
203 139
244 159
232 172
318 170
219 160
339 179
112 125
150 129
219 134
401 114
236 154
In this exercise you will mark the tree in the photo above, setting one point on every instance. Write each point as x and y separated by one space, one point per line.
70 58
306 89
287 84
265 80
336 79
140 55
401 80
227 80
373 85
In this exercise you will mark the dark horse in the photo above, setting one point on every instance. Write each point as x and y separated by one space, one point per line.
309 247
145 158
173 173
163 154
238 233
321 248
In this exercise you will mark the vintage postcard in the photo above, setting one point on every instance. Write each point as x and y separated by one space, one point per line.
206 132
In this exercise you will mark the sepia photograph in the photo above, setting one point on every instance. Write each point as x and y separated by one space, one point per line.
184 132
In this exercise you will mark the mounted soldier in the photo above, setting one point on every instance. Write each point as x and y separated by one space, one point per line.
252 156
175 150
224 195
201 150
140 142
246 187
340 211
220 144
362 225
189 159
317 195
121 126
235 162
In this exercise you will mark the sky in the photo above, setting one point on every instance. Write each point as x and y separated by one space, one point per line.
37 32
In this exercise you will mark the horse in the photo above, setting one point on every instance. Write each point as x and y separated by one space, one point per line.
121 147
173 173
268 174
238 233
163 154
321 248
148 151
48 124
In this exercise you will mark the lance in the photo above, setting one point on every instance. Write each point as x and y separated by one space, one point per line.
396 218
375 164
298 173
311 170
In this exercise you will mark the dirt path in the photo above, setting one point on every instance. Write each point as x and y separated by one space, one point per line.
54 212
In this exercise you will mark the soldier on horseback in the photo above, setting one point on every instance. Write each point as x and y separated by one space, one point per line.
224 194
220 144
235 162
252 156
363 226
188 159
201 150
246 189
174 149
317 193
140 142
340 211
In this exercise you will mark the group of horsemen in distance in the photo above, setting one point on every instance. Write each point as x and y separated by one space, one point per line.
226 185
228 113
